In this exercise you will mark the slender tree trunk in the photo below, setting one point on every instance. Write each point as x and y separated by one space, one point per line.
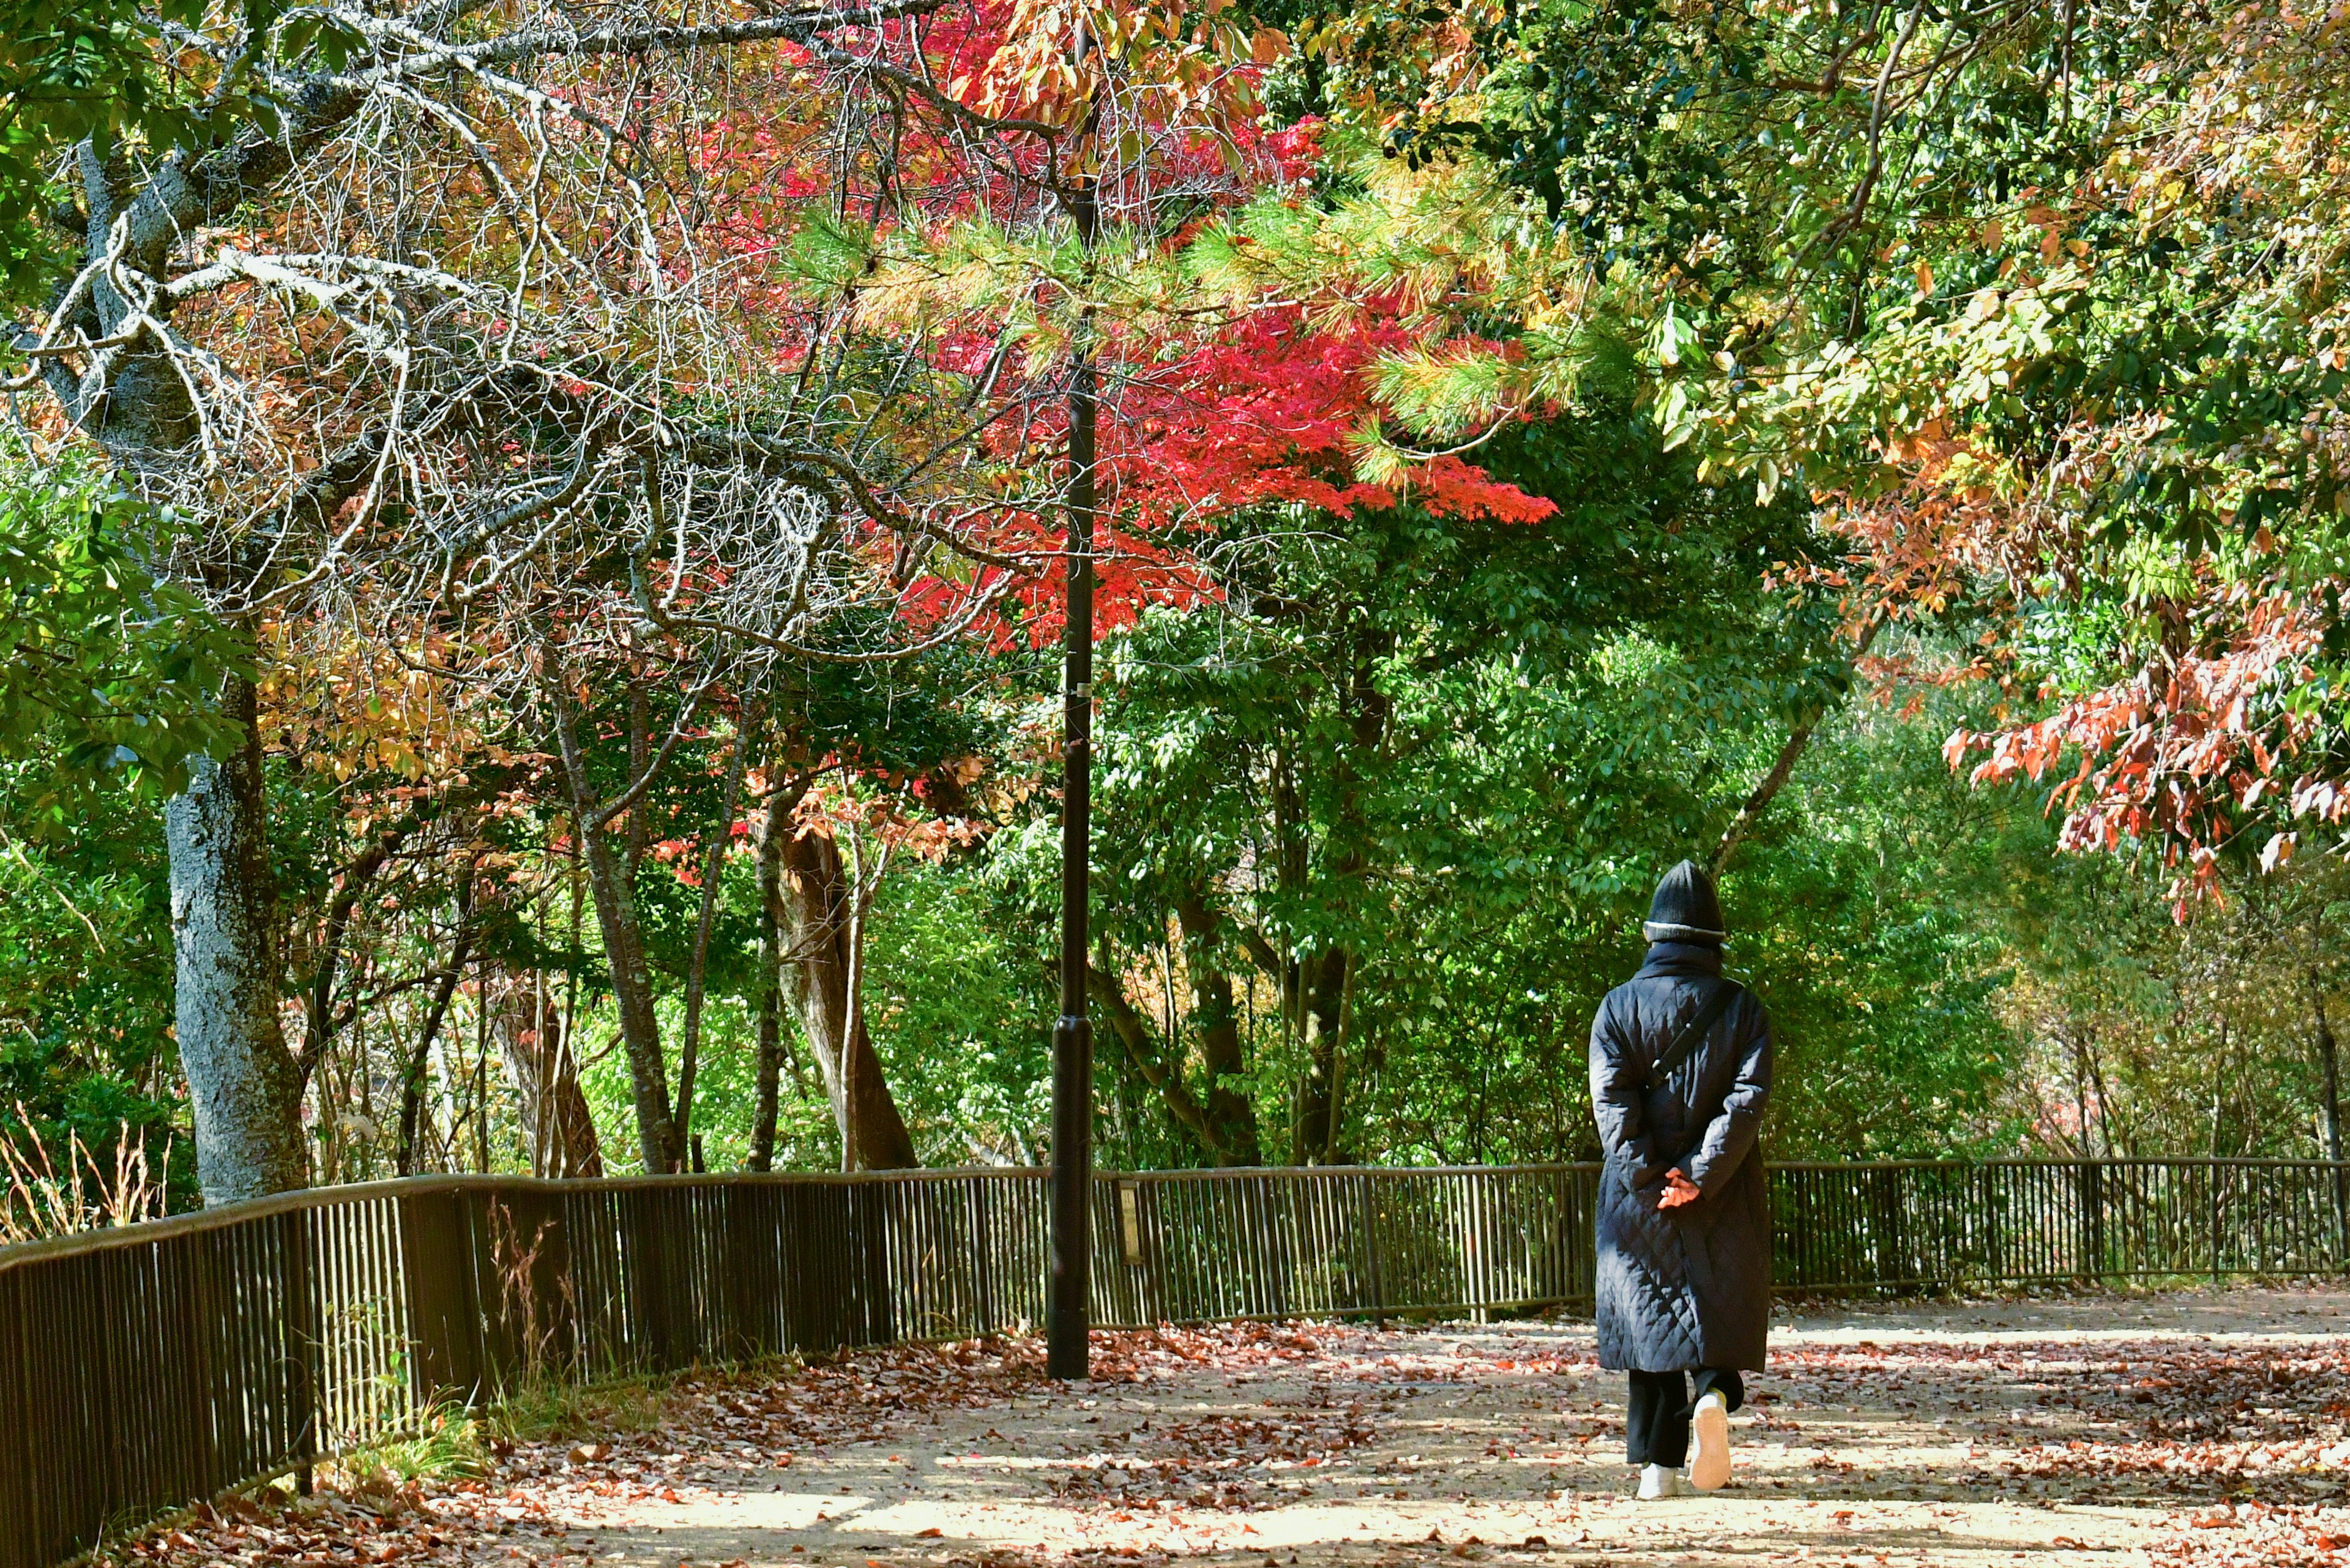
1798 741
610 888
1325 1006
2219 1069
1326 1002
772 830
1333 1150
1131 1030
1222 1053
412 1082
713 863
555 1114
2329 1058
244 1084
873 1134
318 1002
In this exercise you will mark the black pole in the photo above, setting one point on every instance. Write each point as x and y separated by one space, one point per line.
1066 1352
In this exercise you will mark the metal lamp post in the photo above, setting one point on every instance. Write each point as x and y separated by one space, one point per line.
1066 1352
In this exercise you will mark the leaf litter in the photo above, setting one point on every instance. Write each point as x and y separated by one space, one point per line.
1253 1445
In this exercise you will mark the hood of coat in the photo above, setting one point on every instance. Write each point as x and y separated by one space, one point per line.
1679 959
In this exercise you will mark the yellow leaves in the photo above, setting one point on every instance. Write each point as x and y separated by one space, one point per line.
343 707
1377 459
1029 292
1448 393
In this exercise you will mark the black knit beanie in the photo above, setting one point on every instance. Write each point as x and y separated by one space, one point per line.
1685 910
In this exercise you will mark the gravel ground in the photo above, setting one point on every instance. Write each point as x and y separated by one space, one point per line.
2162 1429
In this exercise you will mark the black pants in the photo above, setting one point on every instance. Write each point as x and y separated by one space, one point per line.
1657 1426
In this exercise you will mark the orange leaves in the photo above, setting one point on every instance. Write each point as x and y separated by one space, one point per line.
344 706
2197 741
1922 544
834 808
1118 68
2177 751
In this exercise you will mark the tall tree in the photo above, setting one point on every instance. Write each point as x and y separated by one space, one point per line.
478 422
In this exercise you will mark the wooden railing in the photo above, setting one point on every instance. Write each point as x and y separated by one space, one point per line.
150 1366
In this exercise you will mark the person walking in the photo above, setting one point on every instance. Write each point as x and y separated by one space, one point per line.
1680 1071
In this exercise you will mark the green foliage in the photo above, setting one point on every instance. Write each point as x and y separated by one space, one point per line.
86 982
106 673
1877 897
961 1012
112 80
448 1445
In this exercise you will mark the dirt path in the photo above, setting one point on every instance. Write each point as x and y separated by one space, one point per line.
2199 1428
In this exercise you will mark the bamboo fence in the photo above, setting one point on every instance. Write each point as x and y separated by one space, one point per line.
145 1367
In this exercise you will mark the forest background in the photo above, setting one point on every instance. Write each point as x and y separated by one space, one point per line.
1887 452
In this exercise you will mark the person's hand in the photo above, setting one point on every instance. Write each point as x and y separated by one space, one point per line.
1679 1189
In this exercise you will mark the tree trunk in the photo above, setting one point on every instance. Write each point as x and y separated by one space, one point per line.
318 999
244 1083
412 1081
773 829
1325 1010
555 1114
873 1134
1133 1031
610 888
1324 1022
714 863
1798 741
1222 1051
2329 1058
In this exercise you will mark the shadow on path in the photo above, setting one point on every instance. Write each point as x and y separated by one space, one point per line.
2165 1428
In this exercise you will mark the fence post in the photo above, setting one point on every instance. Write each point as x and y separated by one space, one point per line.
302 1332
1368 1217
444 1308
2217 1171
2092 1199
17 1543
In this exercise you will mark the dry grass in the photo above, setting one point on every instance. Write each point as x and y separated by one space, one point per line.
38 1201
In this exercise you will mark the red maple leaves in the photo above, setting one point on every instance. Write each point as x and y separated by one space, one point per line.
1267 410
2189 750
1246 407
1264 411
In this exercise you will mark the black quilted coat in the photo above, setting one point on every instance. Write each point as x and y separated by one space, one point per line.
1688 1287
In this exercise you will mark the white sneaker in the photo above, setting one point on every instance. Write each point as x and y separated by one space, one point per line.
1660 1482
1710 1468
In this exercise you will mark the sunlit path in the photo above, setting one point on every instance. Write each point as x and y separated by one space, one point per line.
2178 1428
